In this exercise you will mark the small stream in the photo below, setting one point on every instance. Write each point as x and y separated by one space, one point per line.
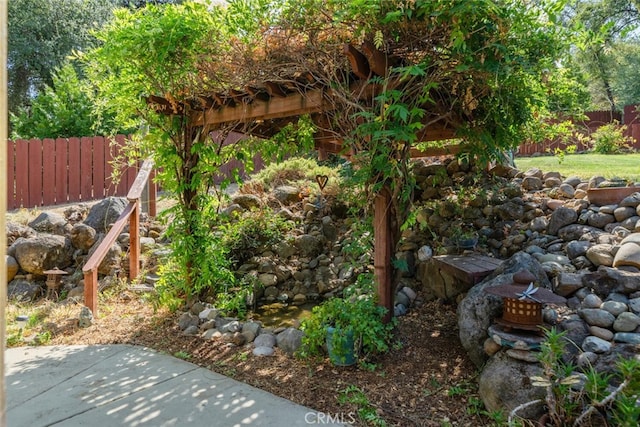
278 314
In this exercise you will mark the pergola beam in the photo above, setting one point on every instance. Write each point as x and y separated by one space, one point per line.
296 104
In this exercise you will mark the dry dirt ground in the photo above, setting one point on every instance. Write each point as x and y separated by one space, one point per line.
426 381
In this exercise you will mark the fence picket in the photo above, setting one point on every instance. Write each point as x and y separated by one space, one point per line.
22 173
74 170
34 194
86 169
62 171
98 167
48 171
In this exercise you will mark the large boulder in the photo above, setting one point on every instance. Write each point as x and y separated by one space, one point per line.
478 309
105 213
290 340
43 252
506 383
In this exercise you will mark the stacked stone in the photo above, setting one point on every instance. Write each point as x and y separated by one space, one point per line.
616 320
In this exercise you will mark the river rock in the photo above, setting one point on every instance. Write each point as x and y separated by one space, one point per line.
614 307
626 322
626 337
600 254
597 317
287 194
265 340
289 340
596 345
532 183
600 220
561 217
308 245
577 231
577 248
592 301
632 200
628 254
621 213
602 333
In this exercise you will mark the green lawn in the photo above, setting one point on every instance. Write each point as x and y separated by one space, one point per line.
587 165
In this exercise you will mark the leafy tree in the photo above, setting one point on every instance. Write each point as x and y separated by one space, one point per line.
605 49
42 33
64 110
156 51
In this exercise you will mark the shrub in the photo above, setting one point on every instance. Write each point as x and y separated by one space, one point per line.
610 139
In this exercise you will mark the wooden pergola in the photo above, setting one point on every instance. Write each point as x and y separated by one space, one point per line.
264 109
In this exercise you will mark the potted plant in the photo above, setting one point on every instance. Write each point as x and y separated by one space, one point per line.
348 329
464 236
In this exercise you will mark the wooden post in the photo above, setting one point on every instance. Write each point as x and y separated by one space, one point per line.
3 200
91 290
382 250
134 241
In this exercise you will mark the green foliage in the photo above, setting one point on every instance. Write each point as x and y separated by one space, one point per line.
573 398
366 412
356 312
251 233
158 51
200 250
42 34
63 110
298 171
610 139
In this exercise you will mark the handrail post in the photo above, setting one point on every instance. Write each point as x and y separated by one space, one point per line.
91 290
134 240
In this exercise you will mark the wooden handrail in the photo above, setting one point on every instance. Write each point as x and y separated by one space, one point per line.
131 214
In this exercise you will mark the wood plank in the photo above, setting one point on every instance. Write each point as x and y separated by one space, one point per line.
86 168
292 105
379 62
49 171
35 173
12 202
357 60
98 167
62 171
74 170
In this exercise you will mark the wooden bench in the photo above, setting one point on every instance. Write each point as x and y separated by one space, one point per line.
452 275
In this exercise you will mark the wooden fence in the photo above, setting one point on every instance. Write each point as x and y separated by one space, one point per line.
64 170
69 170
595 119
